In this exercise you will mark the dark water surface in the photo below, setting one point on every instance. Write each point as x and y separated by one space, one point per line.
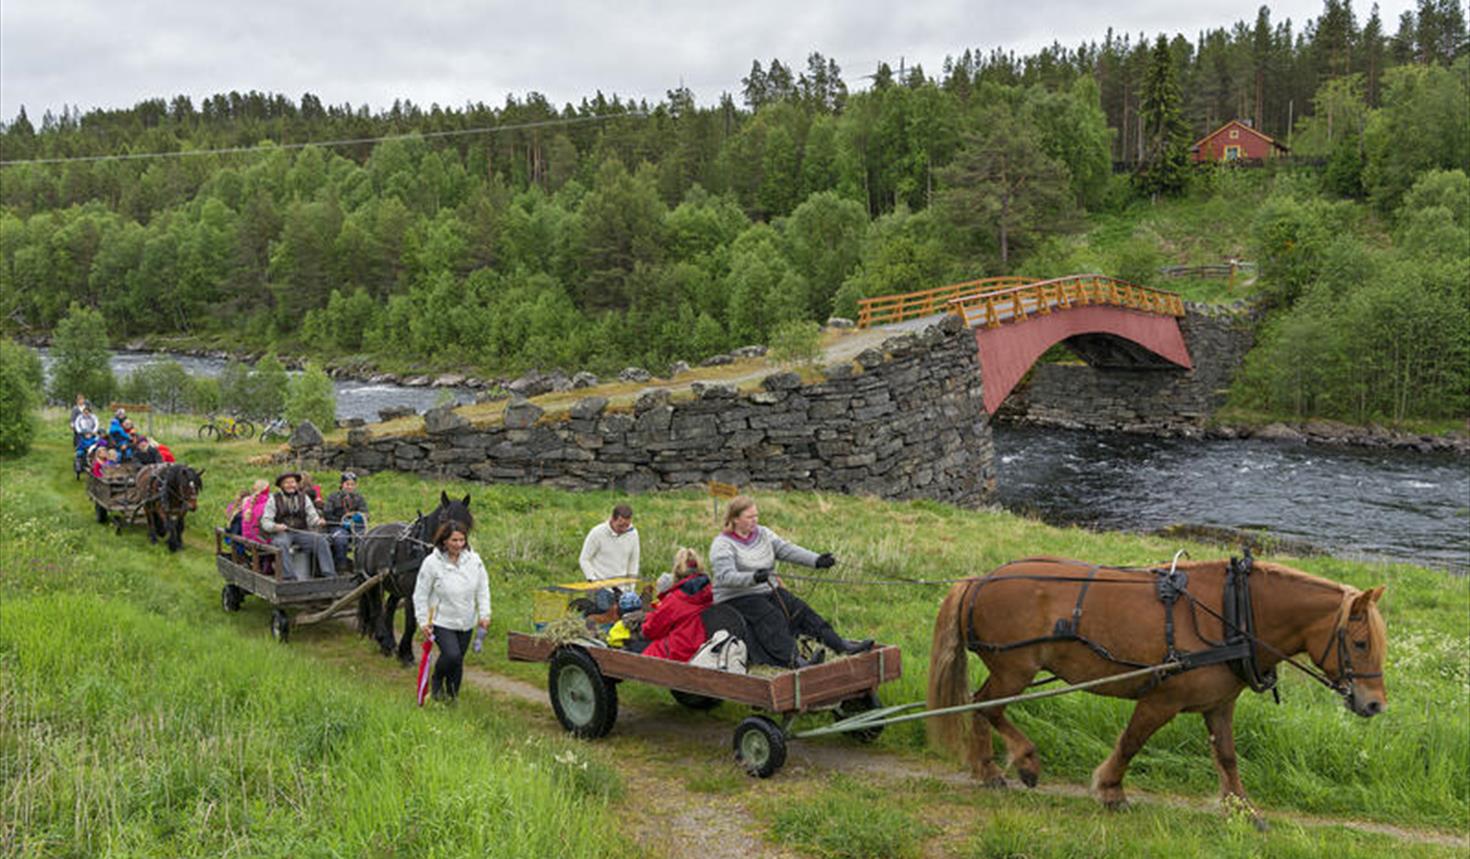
1351 502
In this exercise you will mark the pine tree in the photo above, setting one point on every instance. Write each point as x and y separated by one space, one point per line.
1166 155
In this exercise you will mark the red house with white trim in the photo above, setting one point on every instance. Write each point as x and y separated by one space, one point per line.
1235 141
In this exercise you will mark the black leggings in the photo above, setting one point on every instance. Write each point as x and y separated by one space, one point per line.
769 624
449 667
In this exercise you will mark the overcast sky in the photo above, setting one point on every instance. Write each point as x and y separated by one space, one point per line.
106 53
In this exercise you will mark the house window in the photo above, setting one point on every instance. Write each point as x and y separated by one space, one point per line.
1232 153
1234 134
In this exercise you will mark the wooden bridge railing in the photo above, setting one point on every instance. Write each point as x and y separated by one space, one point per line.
1018 303
886 309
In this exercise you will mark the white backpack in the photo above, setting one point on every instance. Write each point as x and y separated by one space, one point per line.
723 652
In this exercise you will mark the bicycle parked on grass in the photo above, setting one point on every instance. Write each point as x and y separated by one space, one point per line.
220 428
276 430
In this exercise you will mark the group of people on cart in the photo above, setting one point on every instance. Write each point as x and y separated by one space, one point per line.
739 593
103 453
292 515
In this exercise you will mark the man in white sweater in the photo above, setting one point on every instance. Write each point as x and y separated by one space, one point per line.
611 548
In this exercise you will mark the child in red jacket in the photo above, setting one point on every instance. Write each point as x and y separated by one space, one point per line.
674 630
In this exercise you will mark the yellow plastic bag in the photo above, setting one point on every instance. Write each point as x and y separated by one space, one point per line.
618 635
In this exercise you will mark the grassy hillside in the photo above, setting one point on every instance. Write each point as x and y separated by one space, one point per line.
140 719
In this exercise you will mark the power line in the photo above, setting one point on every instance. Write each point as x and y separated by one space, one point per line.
356 141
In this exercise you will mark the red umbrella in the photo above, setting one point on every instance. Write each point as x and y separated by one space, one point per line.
423 685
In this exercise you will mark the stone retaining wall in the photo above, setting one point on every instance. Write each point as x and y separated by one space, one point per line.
903 421
1154 401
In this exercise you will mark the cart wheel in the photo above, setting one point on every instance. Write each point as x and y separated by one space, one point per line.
585 703
280 626
693 701
861 704
101 513
230 597
760 746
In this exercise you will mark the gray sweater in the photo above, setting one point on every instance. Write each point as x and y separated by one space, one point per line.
734 563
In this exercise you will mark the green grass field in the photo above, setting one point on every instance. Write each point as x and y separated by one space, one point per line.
140 719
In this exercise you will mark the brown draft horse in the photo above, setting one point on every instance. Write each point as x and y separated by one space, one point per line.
1117 623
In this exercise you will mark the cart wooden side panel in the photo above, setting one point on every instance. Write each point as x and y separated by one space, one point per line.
794 691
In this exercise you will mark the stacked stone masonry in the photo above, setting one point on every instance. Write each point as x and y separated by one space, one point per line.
905 420
1166 401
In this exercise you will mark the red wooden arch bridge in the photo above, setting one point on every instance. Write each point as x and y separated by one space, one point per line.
1108 322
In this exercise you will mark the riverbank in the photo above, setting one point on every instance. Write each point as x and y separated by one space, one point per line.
138 605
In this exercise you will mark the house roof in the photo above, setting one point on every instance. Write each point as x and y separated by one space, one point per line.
1242 126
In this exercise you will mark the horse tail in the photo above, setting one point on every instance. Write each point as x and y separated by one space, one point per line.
949 676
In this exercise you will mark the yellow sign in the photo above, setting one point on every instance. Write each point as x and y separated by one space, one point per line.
723 490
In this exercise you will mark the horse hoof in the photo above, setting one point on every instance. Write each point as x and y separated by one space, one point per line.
995 783
405 661
1028 778
1260 823
1119 804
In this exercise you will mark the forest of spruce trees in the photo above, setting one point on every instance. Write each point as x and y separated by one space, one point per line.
619 231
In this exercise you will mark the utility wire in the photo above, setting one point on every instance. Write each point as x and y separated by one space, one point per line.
356 141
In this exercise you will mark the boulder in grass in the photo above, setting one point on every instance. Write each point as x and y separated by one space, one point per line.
584 379
305 435
634 374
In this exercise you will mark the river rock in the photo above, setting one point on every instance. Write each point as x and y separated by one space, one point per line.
676 368
717 360
583 379
754 351
1279 432
634 374
395 412
416 382
559 381
449 380
305 435
533 384
492 394
839 322
521 413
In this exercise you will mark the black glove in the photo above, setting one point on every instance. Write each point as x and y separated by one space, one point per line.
825 560
761 576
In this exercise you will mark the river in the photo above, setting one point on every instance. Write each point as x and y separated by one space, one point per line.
1353 502
1379 504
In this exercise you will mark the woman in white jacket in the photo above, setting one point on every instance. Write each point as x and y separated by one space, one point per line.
453 596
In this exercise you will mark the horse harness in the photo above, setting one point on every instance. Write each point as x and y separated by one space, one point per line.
1237 649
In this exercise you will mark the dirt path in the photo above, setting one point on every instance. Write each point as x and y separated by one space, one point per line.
715 830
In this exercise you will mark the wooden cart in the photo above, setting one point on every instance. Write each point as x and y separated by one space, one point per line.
112 497
254 568
583 677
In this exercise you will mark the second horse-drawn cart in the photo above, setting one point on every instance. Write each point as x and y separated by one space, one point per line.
254 568
583 677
